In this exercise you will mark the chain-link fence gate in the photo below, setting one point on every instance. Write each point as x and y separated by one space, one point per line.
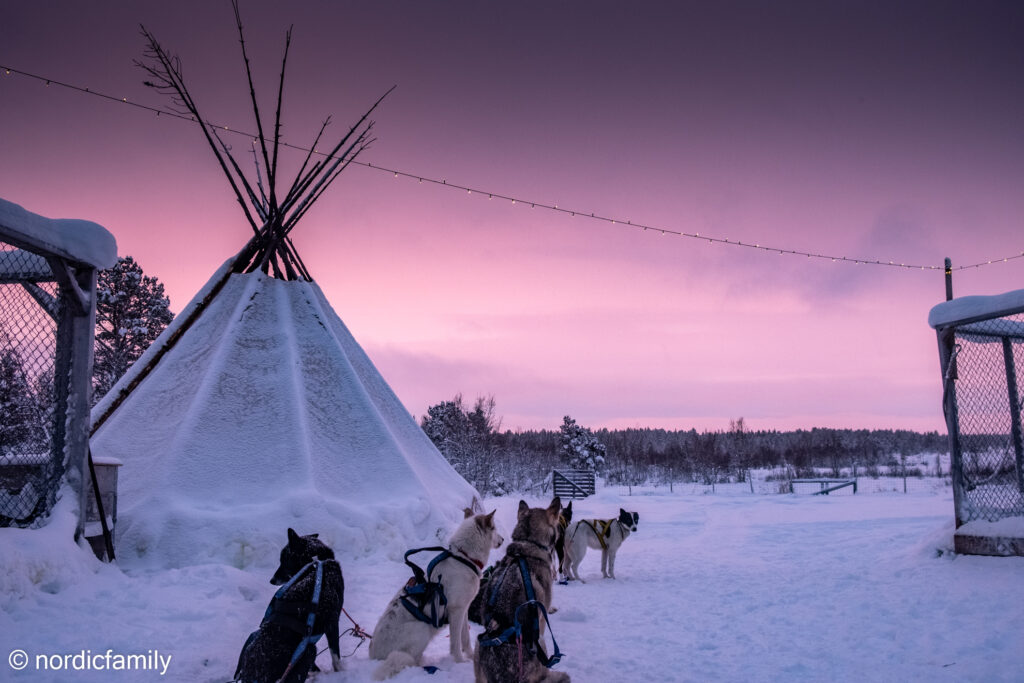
31 426
981 348
48 274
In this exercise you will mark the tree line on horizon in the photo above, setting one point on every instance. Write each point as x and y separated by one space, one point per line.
497 462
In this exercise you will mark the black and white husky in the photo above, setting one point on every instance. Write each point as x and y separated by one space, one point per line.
312 585
606 534
400 637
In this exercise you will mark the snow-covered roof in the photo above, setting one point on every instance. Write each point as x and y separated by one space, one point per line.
967 309
75 240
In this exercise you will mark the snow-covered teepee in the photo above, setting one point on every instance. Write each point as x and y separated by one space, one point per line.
256 409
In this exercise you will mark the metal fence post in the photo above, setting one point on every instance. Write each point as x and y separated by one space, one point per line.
1015 427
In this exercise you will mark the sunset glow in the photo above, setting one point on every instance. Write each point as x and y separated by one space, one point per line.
872 132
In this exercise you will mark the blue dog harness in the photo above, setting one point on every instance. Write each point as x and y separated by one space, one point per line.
515 631
310 639
285 612
423 598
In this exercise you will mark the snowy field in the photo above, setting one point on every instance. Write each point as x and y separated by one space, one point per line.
722 587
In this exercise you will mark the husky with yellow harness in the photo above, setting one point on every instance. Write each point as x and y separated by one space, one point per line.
606 534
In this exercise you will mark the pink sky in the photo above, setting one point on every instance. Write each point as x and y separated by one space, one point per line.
853 129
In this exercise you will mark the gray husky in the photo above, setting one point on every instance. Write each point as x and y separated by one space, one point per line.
499 658
606 534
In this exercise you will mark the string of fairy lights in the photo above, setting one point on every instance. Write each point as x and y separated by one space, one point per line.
572 212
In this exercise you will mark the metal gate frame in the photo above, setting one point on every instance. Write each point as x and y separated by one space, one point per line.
74 311
981 353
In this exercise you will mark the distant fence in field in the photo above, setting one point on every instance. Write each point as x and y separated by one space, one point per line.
869 485
825 486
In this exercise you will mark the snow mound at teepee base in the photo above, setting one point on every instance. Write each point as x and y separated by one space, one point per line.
266 414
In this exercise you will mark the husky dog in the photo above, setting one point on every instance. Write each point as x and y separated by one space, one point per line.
400 637
270 653
606 534
476 607
532 541
564 519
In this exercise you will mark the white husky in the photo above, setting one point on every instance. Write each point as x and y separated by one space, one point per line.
400 637
606 534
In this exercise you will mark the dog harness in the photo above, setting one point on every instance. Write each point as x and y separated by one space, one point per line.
287 613
425 599
515 631
606 529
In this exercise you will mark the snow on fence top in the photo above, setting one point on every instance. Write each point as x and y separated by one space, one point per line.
75 240
968 309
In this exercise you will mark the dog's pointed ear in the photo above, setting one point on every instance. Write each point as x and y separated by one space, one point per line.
555 508
467 513
523 509
568 508
486 521
292 536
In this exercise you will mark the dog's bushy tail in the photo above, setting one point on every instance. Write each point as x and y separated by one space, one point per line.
395 663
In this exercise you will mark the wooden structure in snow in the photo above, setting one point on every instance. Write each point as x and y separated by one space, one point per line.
981 356
569 484
826 485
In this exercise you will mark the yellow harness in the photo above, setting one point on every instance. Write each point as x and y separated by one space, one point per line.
606 529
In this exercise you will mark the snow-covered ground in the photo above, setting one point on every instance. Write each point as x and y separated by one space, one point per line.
722 587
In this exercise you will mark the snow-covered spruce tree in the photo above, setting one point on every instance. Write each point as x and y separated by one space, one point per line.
581 447
447 426
467 439
131 311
